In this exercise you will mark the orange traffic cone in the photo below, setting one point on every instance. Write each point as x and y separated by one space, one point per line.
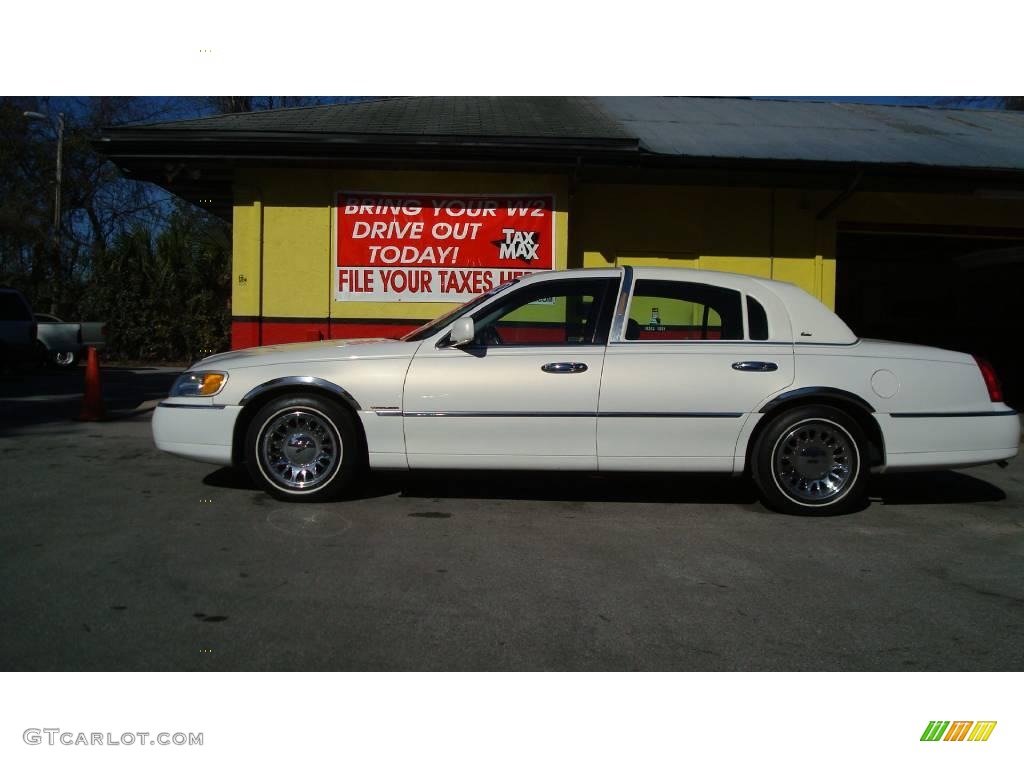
92 403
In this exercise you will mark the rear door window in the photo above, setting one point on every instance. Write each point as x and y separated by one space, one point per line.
757 319
670 310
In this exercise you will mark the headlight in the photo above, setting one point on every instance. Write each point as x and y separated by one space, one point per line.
199 384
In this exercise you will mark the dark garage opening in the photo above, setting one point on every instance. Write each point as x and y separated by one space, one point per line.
959 292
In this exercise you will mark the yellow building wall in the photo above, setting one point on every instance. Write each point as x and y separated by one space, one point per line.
772 233
287 215
296 236
246 229
760 232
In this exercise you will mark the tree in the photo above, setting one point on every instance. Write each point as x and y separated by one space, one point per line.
165 294
25 196
236 104
154 267
130 253
96 201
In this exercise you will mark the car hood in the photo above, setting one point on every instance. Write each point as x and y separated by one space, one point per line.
308 351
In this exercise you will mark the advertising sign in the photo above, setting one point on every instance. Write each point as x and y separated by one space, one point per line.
398 247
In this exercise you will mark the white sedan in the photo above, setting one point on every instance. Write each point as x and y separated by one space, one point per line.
619 369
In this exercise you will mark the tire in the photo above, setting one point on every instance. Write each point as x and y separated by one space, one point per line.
811 461
303 448
41 356
64 359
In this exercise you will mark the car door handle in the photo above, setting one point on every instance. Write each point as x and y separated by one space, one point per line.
755 365
564 367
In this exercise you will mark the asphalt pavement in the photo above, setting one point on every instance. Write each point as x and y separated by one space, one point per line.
115 556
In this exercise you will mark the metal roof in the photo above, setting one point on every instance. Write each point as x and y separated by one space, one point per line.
671 127
562 118
826 132
674 140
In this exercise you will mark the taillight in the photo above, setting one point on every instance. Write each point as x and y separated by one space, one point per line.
995 391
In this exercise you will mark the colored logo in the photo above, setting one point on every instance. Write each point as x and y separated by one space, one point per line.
958 730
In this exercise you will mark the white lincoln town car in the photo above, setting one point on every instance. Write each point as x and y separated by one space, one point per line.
620 369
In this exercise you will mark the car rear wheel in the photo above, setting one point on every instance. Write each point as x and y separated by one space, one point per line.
809 461
303 448
64 359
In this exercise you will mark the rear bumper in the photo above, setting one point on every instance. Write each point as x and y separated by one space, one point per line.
199 432
944 442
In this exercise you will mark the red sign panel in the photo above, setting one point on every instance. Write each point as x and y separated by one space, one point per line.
394 247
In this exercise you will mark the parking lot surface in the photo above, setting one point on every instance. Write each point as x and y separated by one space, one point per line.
115 556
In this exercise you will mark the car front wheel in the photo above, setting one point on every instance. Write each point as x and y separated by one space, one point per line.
303 448
65 359
809 461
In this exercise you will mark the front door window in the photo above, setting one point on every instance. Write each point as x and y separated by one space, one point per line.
551 313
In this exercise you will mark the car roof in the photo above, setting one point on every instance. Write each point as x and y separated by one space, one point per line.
809 321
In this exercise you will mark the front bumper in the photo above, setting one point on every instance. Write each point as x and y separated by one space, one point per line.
196 431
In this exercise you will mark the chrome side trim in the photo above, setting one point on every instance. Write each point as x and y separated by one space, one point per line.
954 415
302 381
661 415
564 414
646 342
190 405
827 343
619 320
503 414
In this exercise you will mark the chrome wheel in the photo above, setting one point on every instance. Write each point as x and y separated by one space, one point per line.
64 359
299 449
815 462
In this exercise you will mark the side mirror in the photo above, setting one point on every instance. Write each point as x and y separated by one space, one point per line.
462 332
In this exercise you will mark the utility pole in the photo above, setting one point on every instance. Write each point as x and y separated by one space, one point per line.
56 198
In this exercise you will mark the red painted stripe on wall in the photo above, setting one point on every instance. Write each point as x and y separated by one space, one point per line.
246 332
372 330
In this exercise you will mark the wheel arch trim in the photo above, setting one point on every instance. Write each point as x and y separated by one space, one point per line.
298 385
857 407
821 393
299 381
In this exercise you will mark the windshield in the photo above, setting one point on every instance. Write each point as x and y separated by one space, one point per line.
434 326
